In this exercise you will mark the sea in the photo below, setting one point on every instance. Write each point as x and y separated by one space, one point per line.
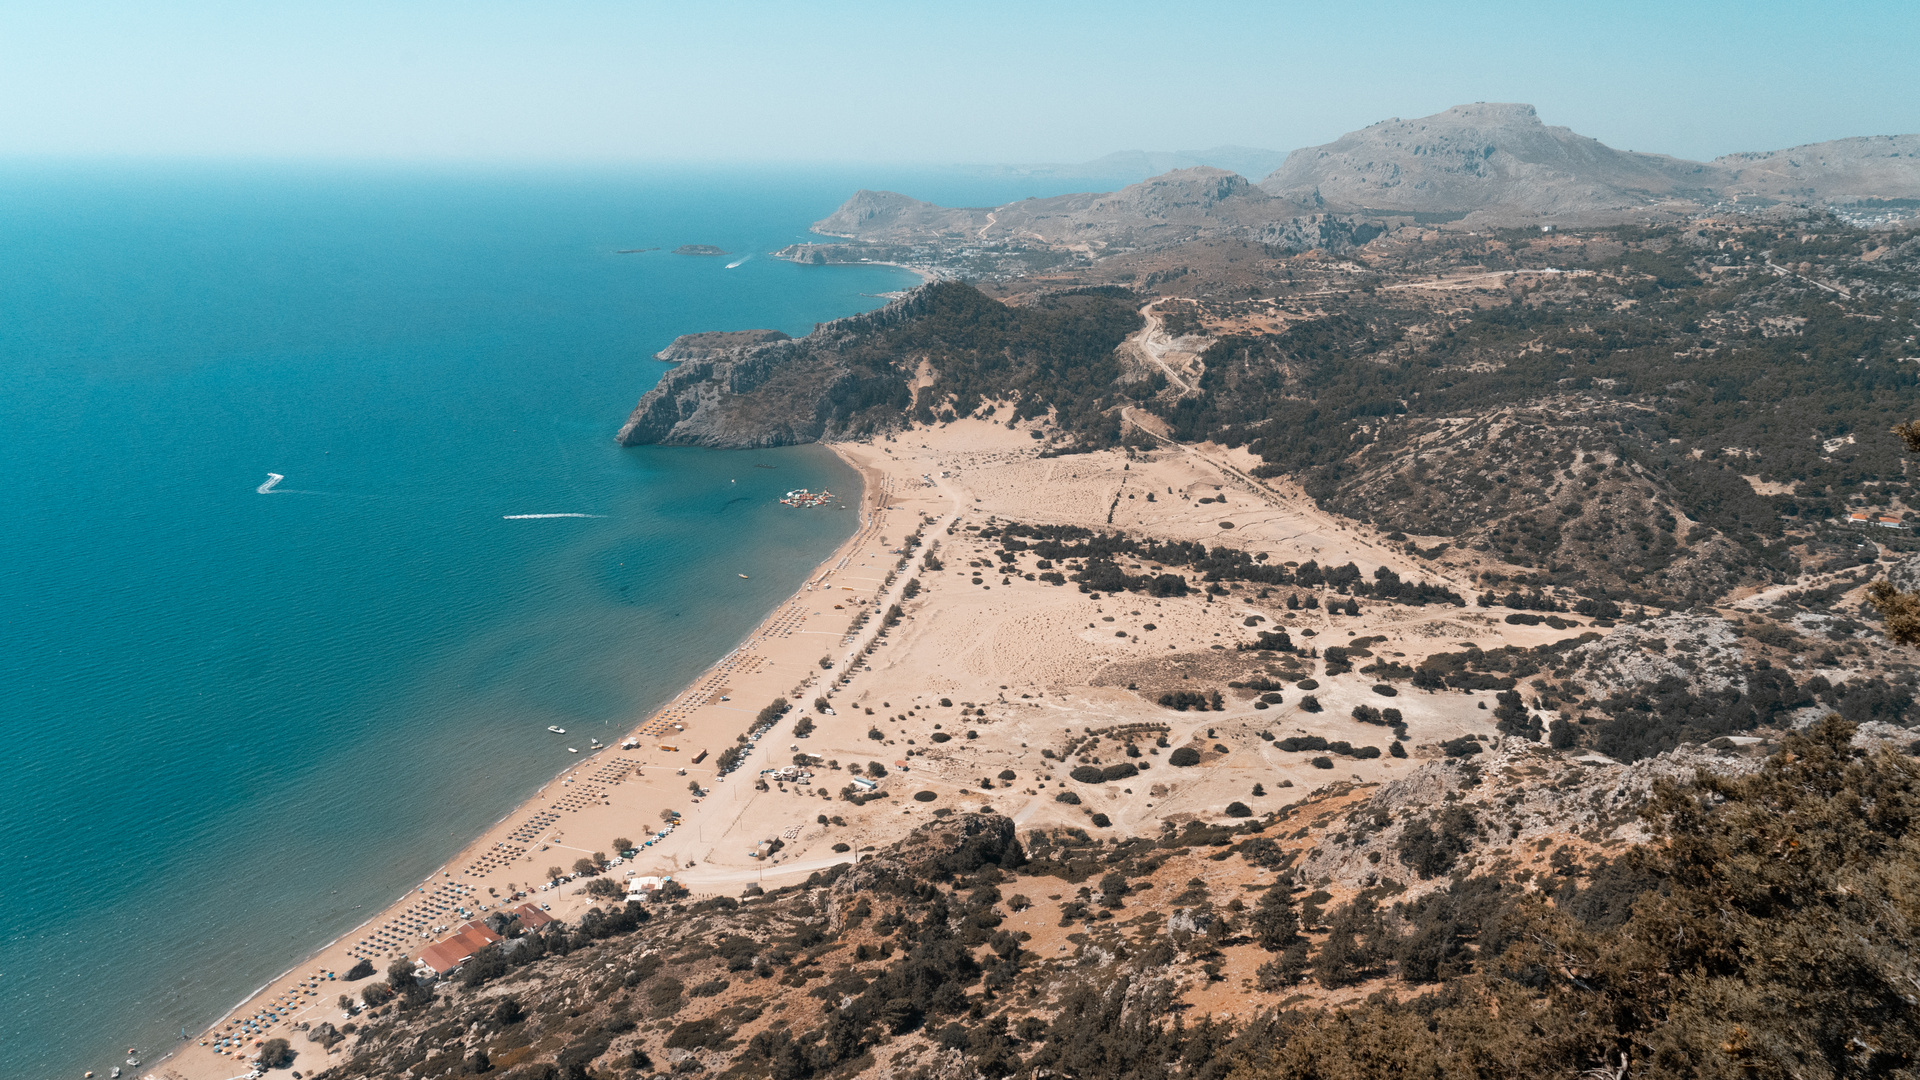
312 521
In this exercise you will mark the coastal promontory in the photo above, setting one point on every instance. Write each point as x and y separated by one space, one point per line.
715 342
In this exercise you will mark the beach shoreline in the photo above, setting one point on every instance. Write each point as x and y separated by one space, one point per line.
697 699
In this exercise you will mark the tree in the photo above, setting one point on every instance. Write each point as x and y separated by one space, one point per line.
621 843
400 974
1275 925
584 867
554 873
875 769
803 727
276 1054
669 816
1184 756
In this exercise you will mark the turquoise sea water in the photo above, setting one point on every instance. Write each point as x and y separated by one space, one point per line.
236 724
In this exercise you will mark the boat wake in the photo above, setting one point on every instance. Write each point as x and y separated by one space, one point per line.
738 261
271 487
532 517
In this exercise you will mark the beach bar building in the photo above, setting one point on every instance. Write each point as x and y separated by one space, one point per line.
443 956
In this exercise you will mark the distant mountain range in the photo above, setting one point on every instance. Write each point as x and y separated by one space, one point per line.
1496 162
1488 157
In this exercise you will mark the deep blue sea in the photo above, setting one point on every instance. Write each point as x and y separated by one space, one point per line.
235 723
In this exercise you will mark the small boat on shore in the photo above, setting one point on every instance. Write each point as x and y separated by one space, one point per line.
556 730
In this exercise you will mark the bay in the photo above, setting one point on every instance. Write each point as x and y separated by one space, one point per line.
237 722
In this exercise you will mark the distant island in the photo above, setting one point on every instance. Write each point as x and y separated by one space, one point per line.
698 249
635 251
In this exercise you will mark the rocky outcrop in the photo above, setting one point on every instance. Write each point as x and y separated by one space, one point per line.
715 343
1704 651
1322 232
778 392
1513 796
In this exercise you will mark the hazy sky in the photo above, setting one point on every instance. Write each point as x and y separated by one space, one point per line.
594 80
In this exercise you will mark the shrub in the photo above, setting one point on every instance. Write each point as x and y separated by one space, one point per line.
1184 756
876 734
841 849
508 1012
1067 797
1239 809
1384 690
924 796
1086 774
1321 763
360 970
1308 684
1309 703
1396 750
1101 821
1007 774
1121 771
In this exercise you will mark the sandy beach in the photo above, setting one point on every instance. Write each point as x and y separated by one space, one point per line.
990 681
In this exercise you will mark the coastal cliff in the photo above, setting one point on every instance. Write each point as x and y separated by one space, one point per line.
733 391
940 351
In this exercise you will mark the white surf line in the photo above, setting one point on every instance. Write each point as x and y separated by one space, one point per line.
272 479
531 517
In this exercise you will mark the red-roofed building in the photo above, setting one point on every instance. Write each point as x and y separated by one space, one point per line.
532 918
1881 520
444 956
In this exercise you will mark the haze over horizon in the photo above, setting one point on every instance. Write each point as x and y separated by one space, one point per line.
590 82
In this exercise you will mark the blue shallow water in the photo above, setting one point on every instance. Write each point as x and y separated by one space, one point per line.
236 724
